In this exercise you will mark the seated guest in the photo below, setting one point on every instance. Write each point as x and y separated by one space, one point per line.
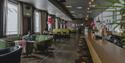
29 37
45 32
29 46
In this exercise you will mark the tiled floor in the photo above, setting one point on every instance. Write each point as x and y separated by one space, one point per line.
65 52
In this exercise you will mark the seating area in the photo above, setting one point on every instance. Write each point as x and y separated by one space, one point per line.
61 33
39 43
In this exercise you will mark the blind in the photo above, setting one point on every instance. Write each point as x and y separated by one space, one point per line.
12 27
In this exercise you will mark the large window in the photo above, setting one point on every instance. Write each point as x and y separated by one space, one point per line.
37 21
12 21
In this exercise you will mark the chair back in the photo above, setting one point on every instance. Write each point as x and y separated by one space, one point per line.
10 55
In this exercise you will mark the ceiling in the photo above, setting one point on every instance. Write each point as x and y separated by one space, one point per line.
75 8
79 8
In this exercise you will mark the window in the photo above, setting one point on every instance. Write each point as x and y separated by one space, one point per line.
37 21
12 24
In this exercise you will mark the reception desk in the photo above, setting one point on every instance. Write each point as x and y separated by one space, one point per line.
103 51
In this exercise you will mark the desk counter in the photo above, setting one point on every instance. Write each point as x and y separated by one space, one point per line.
103 51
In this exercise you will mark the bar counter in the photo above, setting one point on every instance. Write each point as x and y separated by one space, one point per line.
103 51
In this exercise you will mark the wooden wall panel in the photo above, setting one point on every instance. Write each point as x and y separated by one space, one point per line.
44 25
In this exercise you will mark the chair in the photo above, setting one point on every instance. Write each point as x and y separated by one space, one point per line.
10 55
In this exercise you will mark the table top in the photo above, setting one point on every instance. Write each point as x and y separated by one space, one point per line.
26 41
107 51
31 41
17 41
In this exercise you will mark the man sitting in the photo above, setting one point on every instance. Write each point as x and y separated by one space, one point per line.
29 37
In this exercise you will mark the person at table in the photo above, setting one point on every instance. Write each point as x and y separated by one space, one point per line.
29 37
45 32
29 46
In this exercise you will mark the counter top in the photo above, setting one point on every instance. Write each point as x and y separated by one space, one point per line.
103 51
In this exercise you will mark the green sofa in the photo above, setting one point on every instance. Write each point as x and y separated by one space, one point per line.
43 42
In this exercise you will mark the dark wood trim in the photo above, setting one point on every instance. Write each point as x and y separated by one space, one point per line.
1 17
41 10
62 8
33 7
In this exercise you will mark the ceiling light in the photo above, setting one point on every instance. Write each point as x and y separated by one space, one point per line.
88 8
79 7
89 11
69 6
90 3
72 11
86 18
92 0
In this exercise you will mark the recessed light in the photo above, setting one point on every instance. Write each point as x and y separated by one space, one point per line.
86 18
92 0
89 11
88 8
90 3
72 11
79 7
69 6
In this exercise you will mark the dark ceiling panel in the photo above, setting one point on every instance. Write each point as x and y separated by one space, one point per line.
74 4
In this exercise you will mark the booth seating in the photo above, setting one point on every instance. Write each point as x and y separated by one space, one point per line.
43 43
10 55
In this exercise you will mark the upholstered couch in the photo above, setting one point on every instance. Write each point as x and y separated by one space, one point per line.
10 54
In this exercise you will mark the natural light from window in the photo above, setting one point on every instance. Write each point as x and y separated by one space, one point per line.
37 22
12 26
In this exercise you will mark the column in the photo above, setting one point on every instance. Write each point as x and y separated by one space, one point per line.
2 17
44 15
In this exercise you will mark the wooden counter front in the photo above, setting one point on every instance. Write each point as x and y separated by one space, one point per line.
103 51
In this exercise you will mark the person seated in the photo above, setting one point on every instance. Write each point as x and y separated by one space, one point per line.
45 32
29 37
29 46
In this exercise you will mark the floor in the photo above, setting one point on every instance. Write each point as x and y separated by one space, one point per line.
65 52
